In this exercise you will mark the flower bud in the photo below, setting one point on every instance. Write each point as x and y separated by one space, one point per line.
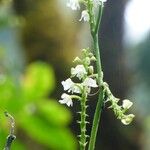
127 119
127 104
84 51
91 69
87 60
77 60
93 58
90 54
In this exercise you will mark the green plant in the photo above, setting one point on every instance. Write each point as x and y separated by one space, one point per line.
41 118
89 78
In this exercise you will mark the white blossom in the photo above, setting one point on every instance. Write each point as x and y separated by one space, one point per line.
70 86
67 84
66 99
127 119
98 2
89 82
85 16
127 104
78 71
73 4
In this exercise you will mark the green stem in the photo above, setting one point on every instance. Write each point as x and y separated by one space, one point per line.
96 122
98 110
98 57
91 15
99 18
83 122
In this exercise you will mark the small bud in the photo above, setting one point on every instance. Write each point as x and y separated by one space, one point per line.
77 60
84 51
87 60
91 70
90 54
127 119
93 58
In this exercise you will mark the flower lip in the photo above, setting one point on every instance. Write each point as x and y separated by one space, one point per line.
127 104
127 119
85 16
70 86
67 84
79 71
66 99
89 82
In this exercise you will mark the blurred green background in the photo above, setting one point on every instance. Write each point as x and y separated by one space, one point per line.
38 41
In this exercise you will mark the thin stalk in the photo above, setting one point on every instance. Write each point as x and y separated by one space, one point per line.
96 122
11 137
91 15
98 110
99 18
83 122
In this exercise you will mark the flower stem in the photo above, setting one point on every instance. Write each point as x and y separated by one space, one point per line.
98 110
96 122
99 18
83 122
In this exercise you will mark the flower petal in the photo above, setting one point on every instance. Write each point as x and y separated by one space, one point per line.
127 104
66 99
67 84
79 71
85 16
89 82
73 4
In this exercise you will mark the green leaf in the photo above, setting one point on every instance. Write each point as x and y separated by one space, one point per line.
38 81
18 145
10 95
55 113
7 90
58 138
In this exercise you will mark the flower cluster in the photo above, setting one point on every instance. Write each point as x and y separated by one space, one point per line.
84 71
119 111
85 16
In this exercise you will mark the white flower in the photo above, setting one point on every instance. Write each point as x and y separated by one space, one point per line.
98 2
127 119
85 16
127 104
66 99
78 71
89 82
67 84
70 86
73 4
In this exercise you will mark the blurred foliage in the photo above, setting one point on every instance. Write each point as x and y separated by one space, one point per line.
141 87
45 29
143 59
42 119
7 16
